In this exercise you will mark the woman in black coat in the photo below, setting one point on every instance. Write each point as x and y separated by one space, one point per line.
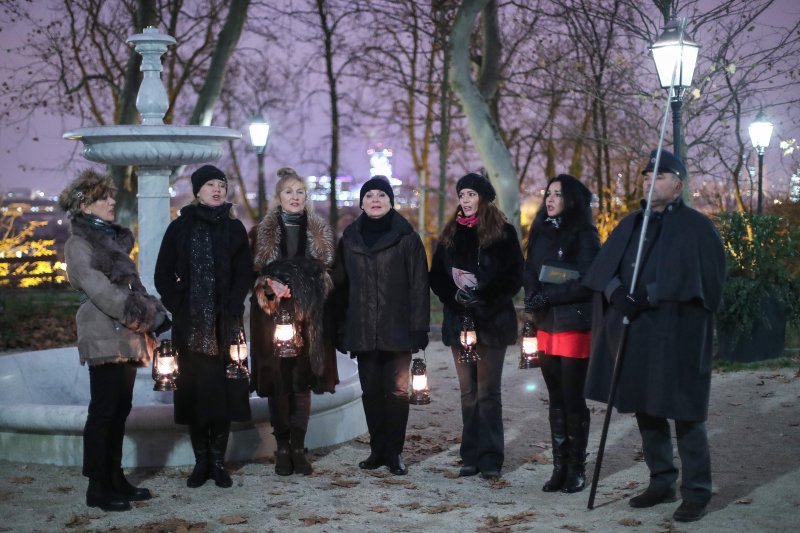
477 269
381 278
203 273
563 236
293 252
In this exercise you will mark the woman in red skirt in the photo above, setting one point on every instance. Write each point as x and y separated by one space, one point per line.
562 244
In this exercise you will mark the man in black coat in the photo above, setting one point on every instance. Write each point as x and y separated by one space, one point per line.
666 365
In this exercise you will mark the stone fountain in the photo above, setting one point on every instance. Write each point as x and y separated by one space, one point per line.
153 147
44 395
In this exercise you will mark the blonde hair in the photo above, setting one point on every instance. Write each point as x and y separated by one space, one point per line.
89 187
287 175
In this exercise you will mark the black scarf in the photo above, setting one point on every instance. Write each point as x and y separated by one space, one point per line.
209 275
372 229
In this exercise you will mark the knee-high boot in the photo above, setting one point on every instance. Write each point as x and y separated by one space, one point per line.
577 439
219 443
558 436
199 436
299 459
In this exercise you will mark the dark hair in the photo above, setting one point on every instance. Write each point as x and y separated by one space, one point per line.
89 187
491 222
577 211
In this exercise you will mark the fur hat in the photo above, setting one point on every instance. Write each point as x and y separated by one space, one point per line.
478 183
86 189
667 163
204 174
380 183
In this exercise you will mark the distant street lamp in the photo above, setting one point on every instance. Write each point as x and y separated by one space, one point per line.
259 132
675 56
760 134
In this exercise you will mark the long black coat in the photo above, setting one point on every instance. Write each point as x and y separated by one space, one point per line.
220 398
383 293
571 246
308 276
499 276
666 367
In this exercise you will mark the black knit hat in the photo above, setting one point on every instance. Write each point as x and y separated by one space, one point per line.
380 183
204 174
479 184
667 163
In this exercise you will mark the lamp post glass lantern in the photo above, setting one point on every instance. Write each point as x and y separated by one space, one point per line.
285 338
675 56
165 367
259 133
760 134
420 390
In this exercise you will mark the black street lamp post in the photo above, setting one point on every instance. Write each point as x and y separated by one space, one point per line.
259 132
760 134
675 56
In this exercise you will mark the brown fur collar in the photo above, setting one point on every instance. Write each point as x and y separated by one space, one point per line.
267 240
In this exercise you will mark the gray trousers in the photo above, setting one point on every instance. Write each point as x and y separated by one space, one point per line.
692 449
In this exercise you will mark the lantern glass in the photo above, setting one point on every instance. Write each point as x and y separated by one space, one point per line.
420 391
469 339
760 132
529 348
165 367
285 337
237 368
674 47
259 132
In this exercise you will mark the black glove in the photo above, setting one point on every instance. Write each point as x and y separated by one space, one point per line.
630 305
537 302
163 326
419 341
467 297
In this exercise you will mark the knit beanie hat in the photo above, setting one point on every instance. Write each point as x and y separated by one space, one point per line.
204 174
479 184
380 183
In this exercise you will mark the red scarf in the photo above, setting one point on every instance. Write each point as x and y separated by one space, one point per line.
470 221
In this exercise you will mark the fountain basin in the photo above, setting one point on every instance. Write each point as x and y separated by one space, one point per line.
44 397
154 145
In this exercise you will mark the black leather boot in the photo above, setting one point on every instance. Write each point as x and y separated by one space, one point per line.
283 456
558 436
199 475
300 462
99 494
219 443
577 439
124 487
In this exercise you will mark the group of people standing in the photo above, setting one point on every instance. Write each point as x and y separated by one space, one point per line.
369 296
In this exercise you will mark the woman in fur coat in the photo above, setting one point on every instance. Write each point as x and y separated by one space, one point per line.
293 252
383 296
562 235
477 269
203 273
116 321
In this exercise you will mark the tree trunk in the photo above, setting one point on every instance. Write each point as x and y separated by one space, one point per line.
483 130
333 169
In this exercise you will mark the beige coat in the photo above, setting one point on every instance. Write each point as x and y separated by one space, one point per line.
117 316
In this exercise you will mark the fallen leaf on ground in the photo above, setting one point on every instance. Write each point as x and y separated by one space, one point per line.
233 520
392 481
60 490
539 458
22 480
577 529
5 496
378 509
76 521
744 501
444 508
630 522
410 506
346 483
314 519
510 520
345 511
498 484
451 475
363 439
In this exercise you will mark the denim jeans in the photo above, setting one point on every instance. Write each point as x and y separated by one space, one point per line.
384 381
482 440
